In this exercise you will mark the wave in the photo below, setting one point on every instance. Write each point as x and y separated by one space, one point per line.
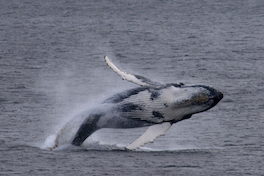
97 145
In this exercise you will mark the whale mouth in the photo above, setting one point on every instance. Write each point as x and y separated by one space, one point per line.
213 97
218 96
214 94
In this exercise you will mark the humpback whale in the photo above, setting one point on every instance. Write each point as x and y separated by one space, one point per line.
152 104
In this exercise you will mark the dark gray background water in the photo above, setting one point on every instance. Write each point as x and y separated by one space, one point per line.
52 67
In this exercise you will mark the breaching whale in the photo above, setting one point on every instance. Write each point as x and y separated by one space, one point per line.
152 104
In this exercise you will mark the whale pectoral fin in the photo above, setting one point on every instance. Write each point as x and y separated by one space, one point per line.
150 135
137 79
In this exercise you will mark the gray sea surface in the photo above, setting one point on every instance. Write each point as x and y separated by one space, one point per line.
52 68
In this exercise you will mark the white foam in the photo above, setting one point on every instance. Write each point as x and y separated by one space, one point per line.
49 142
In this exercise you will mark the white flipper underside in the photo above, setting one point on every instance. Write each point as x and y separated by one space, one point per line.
137 79
150 135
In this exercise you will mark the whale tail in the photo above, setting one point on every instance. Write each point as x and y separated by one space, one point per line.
88 127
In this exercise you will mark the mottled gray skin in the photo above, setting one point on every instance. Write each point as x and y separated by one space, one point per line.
145 106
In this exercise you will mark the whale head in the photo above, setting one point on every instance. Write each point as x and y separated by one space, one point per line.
184 101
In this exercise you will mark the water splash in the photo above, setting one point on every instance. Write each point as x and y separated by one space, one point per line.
66 133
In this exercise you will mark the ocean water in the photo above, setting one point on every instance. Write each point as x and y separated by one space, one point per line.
52 69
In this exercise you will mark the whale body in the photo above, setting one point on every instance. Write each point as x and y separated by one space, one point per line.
152 104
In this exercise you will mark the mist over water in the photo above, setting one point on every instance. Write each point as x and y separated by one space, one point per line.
52 69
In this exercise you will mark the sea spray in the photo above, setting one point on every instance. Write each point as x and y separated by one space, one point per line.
66 133
71 123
